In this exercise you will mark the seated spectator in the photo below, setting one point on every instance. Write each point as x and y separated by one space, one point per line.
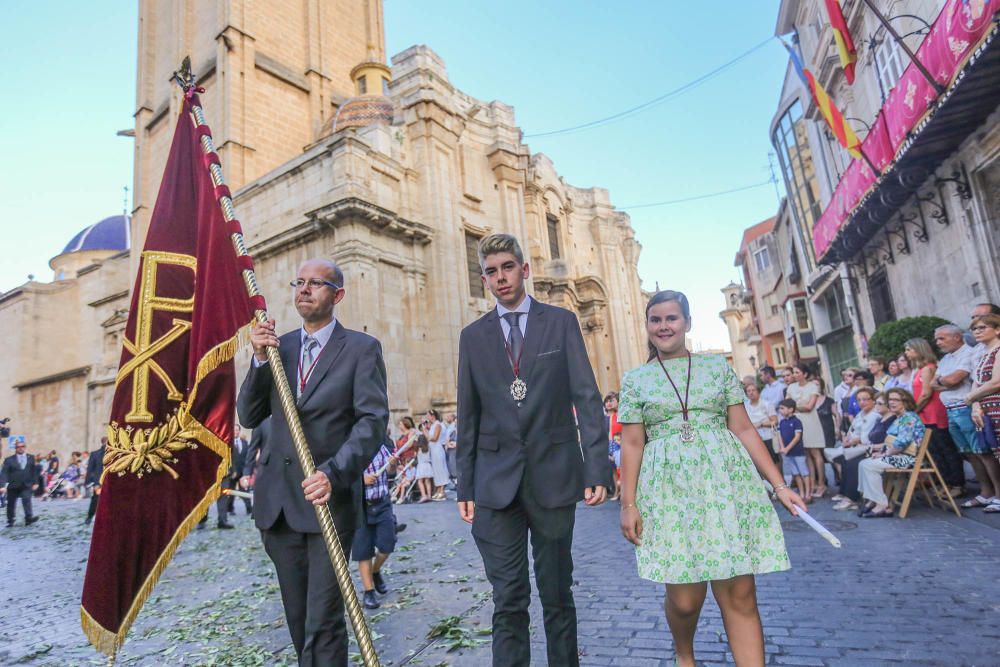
406 468
763 417
856 439
849 466
876 366
905 434
892 368
984 397
903 379
71 477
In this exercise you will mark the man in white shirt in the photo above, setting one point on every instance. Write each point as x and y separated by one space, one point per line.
954 380
774 389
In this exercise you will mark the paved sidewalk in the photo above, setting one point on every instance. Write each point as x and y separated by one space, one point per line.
919 591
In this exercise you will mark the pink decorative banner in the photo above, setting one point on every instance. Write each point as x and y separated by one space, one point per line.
955 35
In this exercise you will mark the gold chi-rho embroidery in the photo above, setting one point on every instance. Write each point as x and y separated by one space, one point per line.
143 348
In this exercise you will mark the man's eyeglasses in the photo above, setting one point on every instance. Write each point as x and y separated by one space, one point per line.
313 283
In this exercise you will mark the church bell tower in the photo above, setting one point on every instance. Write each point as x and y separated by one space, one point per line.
273 71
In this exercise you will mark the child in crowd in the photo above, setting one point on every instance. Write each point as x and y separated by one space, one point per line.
425 470
615 456
794 454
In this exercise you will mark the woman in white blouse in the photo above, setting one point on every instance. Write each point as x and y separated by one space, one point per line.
762 416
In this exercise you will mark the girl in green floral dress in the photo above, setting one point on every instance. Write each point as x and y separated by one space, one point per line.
692 499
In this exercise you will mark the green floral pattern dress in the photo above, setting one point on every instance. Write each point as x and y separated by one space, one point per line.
705 512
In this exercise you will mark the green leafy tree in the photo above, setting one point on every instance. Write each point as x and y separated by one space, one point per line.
887 341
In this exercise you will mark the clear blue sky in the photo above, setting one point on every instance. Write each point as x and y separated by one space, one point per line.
559 63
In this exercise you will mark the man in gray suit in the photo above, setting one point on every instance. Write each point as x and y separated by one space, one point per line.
523 460
339 378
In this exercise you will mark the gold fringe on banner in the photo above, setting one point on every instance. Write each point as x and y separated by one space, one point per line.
107 641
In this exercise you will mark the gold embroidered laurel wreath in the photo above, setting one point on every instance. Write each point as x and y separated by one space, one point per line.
142 451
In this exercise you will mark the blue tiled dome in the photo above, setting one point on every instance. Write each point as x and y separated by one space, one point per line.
108 234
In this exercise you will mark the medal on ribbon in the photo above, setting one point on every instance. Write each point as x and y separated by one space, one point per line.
518 388
687 431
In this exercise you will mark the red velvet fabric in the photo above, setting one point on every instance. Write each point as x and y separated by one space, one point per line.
139 519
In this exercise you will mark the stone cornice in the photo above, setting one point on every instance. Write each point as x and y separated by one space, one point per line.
50 379
280 71
108 299
288 238
379 219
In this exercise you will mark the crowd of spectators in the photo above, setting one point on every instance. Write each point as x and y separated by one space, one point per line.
425 455
877 417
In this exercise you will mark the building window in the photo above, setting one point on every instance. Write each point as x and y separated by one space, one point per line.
362 85
553 225
780 358
775 309
476 289
762 259
880 296
801 318
835 307
791 142
840 352
888 65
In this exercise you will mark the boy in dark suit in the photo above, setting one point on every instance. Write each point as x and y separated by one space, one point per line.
524 460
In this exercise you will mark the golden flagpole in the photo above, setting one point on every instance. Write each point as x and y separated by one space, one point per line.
340 567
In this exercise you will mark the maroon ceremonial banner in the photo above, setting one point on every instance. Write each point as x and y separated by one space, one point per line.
957 32
172 418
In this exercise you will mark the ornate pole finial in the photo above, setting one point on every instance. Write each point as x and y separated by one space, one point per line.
184 76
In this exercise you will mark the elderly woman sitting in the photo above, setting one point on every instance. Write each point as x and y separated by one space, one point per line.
905 431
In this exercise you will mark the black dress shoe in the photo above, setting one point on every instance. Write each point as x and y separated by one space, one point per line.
379 583
400 527
223 525
30 520
370 601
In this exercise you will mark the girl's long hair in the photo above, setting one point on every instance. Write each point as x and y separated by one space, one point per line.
665 296
422 444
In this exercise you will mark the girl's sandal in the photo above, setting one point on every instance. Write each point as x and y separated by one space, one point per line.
992 507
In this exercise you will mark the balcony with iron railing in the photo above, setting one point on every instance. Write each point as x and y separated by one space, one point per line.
927 115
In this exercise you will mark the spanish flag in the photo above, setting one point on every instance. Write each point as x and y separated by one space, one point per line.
842 36
845 135
172 415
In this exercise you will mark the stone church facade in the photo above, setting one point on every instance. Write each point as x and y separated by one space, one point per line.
392 172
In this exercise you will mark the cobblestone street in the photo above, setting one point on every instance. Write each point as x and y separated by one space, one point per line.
919 591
